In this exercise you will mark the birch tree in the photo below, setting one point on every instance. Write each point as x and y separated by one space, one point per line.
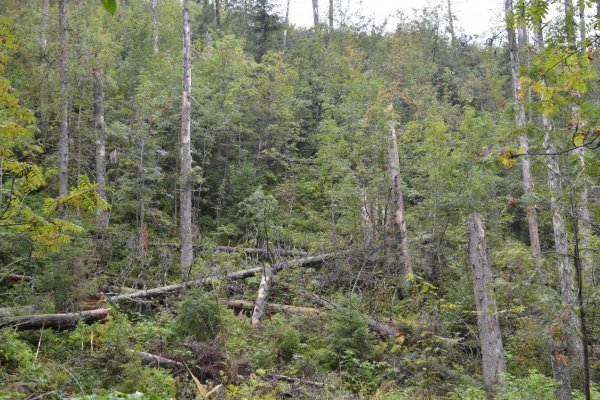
399 216
520 118
63 140
155 24
187 254
99 127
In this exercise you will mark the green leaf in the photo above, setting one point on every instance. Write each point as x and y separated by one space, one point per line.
110 6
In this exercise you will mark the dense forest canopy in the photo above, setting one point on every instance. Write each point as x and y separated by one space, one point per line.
199 199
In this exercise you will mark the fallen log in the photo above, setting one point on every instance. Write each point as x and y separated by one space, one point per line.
159 361
249 251
16 278
378 327
172 289
57 321
272 308
292 379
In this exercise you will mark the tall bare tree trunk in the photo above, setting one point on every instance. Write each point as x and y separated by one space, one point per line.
99 127
315 8
286 24
187 255
451 23
63 140
330 15
520 118
155 24
565 266
490 337
398 202
218 14
43 69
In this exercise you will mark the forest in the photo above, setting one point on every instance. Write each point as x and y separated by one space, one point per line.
202 200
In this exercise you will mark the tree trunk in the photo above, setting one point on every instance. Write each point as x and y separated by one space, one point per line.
63 141
565 266
44 124
57 321
451 23
261 298
520 118
315 8
286 23
560 371
330 15
398 201
187 251
217 14
171 289
155 24
271 308
99 126
487 316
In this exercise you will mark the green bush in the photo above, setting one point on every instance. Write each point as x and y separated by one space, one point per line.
535 386
347 331
278 342
199 317
15 354
150 381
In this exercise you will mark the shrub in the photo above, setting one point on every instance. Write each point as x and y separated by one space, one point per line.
199 317
347 331
150 381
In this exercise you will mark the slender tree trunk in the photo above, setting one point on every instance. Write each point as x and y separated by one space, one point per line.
43 69
187 255
520 117
99 127
451 23
330 15
487 317
218 14
63 140
398 202
155 24
366 219
315 8
565 267
286 23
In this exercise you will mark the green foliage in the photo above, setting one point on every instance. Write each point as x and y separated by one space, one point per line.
347 333
199 316
277 343
15 354
533 387
149 380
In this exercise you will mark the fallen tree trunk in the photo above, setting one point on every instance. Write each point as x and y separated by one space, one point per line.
378 327
16 278
249 251
57 321
272 308
292 379
159 361
171 289
261 298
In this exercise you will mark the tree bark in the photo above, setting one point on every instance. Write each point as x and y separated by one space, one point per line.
57 321
261 298
398 202
271 308
218 14
63 141
565 267
187 251
159 361
560 371
171 289
520 118
44 123
286 24
487 317
315 8
451 23
99 126
155 24
330 15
